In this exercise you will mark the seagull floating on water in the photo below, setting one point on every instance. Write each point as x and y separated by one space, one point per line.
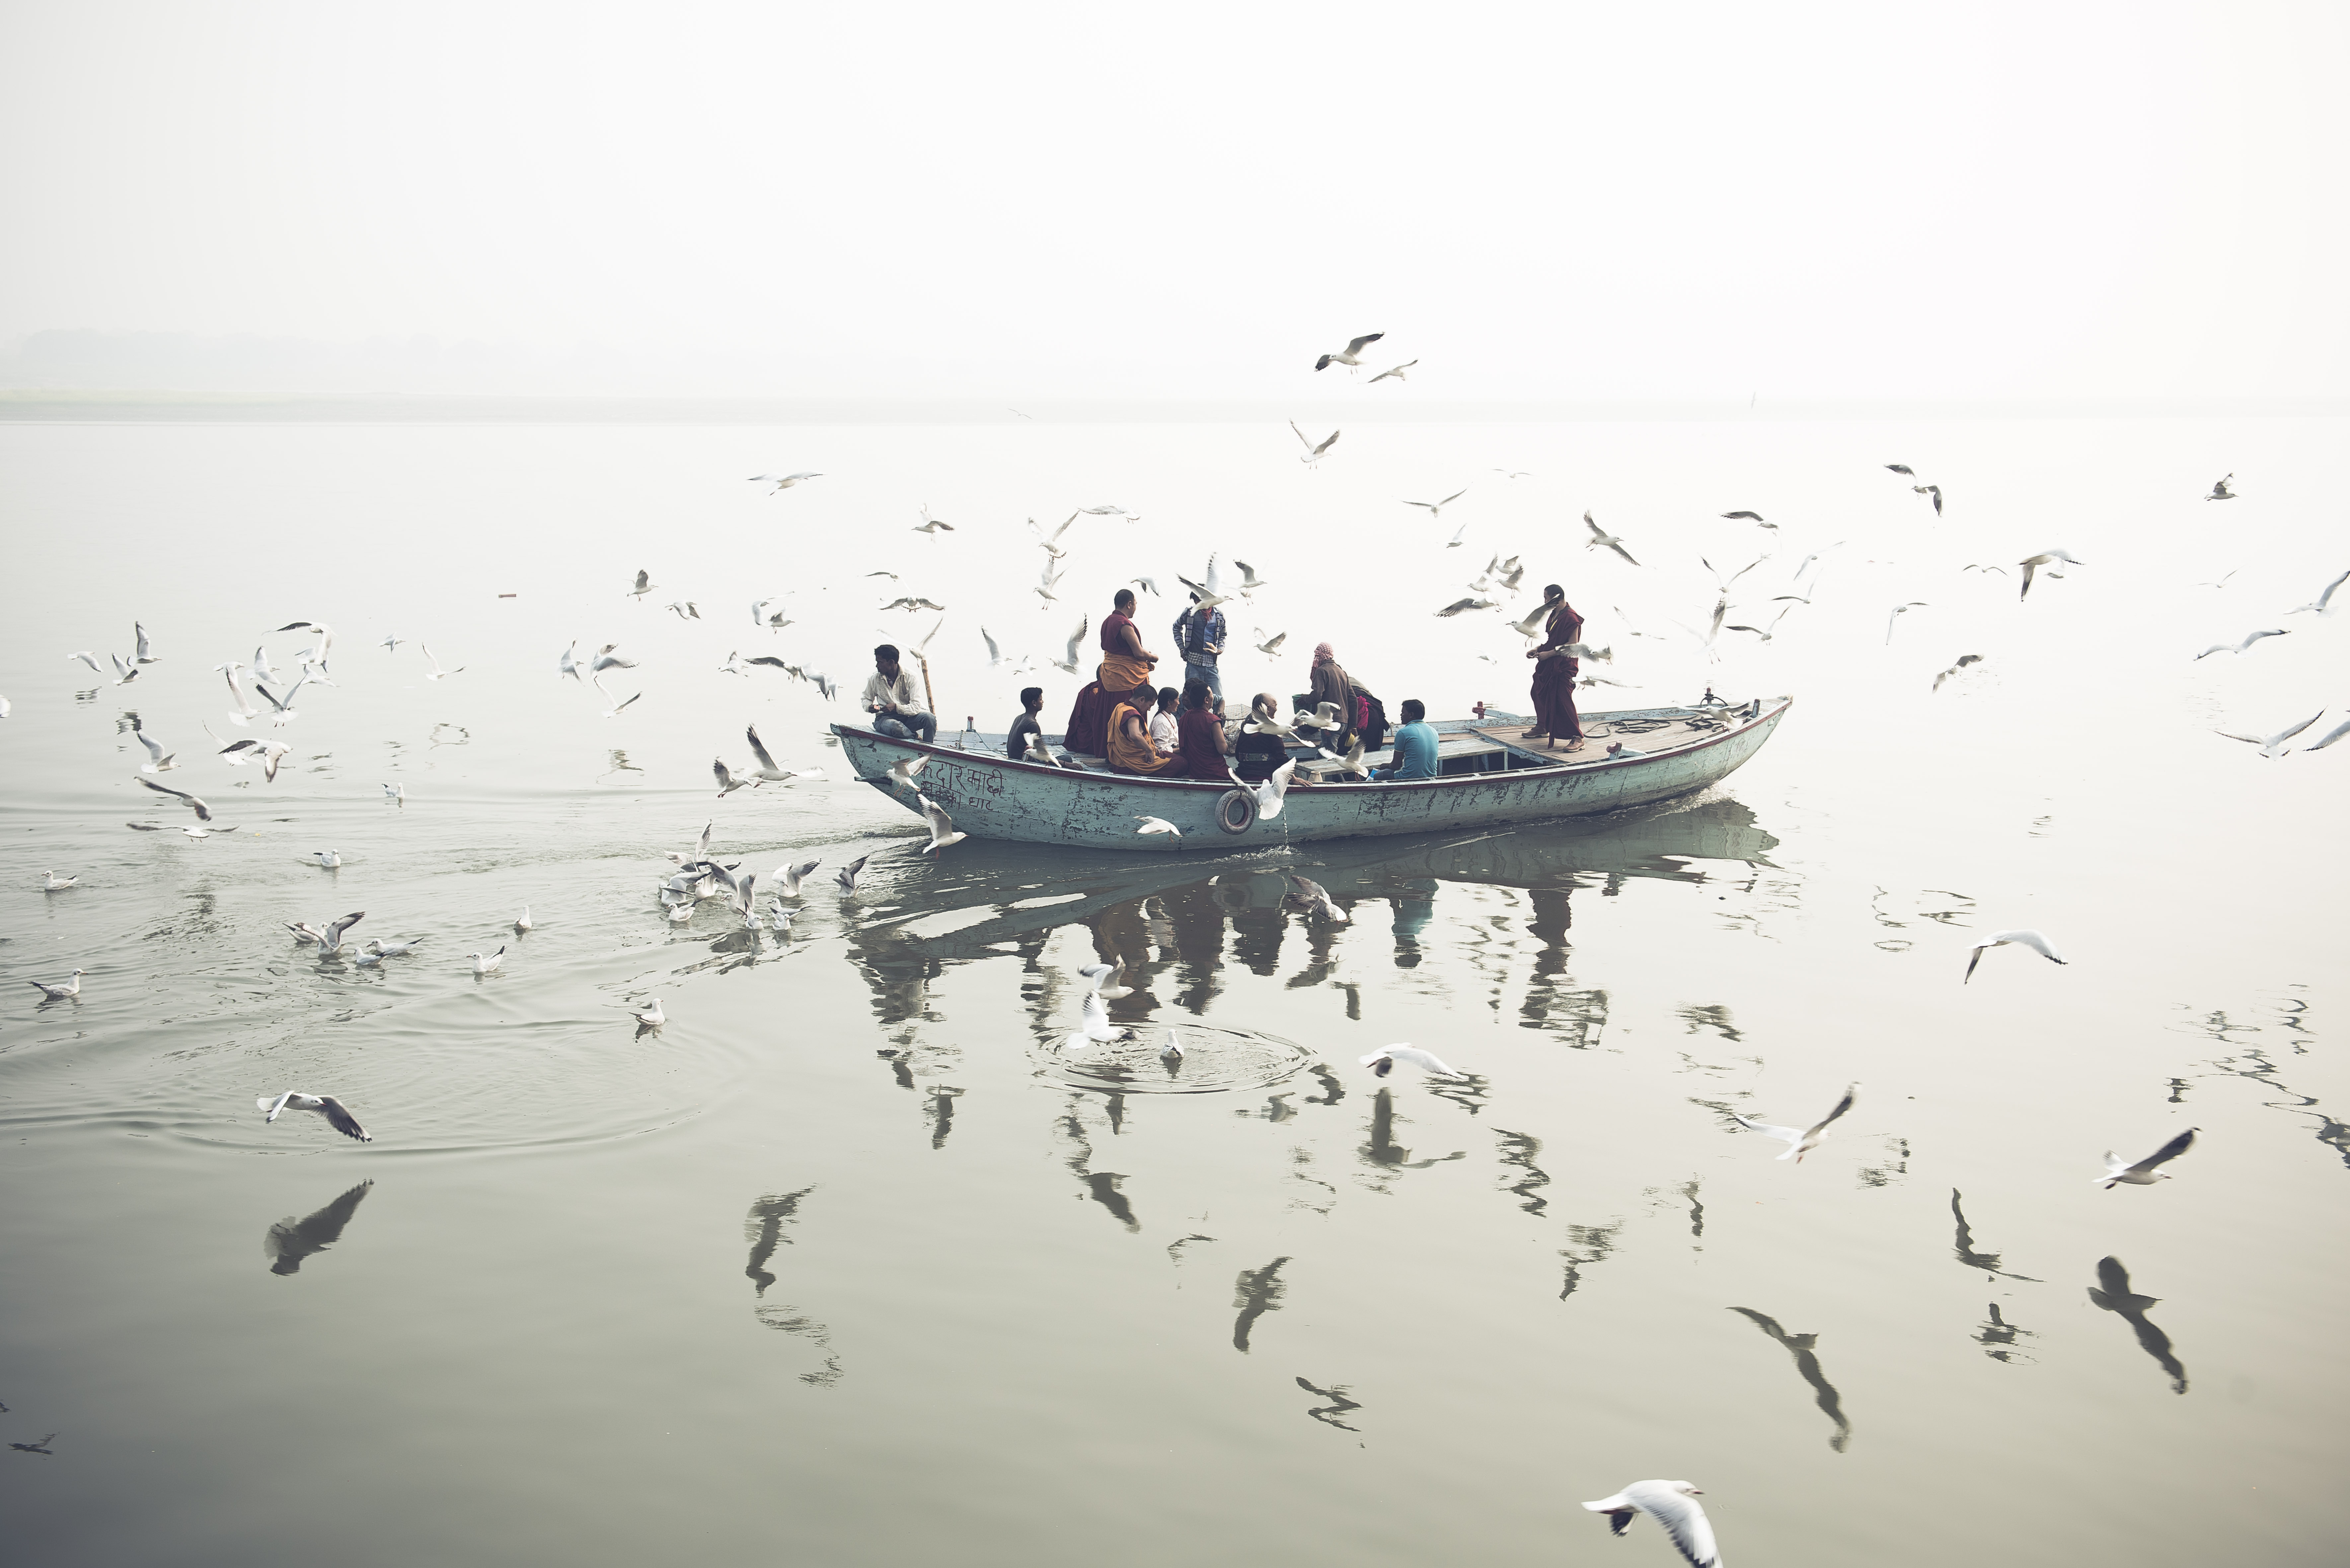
2220 491
65 993
484 963
53 883
651 1017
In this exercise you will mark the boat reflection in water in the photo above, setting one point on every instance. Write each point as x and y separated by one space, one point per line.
1175 925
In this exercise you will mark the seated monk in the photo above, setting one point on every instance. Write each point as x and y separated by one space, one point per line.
1130 751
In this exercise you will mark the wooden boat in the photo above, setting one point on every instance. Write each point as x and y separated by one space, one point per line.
1488 781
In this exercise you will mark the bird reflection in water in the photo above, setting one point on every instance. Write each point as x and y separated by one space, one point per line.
1175 1248
1592 1245
290 1240
1301 1160
1102 1186
1381 1151
2112 1293
1965 1248
1332 1092
1807 1364
1895 1168
764 1229
1466 1090
1255 1293
943 1099
1518 1149
1339 1406
1998 1337
1277 1109
902 1063
2328 1131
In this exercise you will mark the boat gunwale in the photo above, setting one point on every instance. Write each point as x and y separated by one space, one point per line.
1598 765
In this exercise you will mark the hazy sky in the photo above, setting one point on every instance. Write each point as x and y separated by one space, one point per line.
1537 201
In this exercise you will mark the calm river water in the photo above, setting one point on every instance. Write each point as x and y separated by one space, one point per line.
849 1264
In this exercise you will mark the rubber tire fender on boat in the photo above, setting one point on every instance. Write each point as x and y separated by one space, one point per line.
1236 811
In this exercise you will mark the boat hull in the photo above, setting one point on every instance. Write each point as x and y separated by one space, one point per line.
990 797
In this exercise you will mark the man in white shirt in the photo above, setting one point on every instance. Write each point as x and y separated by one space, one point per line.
889 698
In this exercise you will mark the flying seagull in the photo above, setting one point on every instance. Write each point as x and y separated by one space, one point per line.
1749 517
2324 601
2047 561
337 1117
1397 372
1933 489
1435 509
1311 451
204 813
1157 824
1671 1503
2268 744
1351 355
782 481
2249 639
2143 1174
847 875
2022 938
941 825
644 585
1383 1061
1603 540
1800 1141
2220 491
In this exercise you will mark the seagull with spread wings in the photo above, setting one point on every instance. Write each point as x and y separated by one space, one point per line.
1352 354
1800 1141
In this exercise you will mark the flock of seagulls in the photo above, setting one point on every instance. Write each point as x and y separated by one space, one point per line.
697 877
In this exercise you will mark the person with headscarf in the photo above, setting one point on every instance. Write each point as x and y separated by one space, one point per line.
1124 672
1358 710
1555 669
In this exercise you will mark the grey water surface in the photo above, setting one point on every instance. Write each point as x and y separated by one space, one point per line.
854 1263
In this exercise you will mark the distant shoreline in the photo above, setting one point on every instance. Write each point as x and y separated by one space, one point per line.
54 406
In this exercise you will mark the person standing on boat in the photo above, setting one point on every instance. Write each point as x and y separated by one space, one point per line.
1200 638
889 698
1358 710
1124 672
1554 691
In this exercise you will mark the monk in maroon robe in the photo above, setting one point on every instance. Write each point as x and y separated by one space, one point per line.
1555 672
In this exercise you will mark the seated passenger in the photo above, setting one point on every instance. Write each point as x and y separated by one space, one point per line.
1414 746
1130 751
1165 723
889 698
1255 757
1203 748
1032 702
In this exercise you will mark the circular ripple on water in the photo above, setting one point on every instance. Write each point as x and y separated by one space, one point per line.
1214 1060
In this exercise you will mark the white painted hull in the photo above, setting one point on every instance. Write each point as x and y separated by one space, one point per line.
991 797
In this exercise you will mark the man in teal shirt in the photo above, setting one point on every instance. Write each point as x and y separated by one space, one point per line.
1415 745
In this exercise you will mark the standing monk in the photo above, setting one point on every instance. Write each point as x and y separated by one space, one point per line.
1124 671
1554 674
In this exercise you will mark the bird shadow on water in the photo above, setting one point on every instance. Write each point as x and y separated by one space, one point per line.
290 1240
2112 1293
1807 1365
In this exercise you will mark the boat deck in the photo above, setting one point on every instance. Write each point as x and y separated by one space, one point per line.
1493 747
